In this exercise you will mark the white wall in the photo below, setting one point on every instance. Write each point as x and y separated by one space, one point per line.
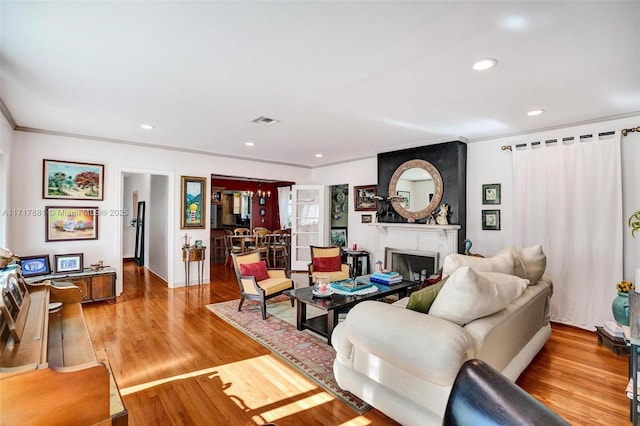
487 163
156 223
6 143
356 173
26 234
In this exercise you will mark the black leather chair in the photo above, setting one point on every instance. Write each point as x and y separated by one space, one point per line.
482 396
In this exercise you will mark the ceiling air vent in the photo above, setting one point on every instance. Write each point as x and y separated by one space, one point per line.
265 120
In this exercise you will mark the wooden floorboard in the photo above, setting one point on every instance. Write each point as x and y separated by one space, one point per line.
178 364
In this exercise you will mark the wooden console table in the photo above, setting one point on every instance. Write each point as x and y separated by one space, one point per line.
94 285
193 254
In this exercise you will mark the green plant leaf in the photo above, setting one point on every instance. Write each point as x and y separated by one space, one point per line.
634 223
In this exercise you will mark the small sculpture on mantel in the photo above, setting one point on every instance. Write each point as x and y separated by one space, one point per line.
431 220
442 215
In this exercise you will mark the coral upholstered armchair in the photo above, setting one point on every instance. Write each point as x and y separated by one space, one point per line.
257 282
328 260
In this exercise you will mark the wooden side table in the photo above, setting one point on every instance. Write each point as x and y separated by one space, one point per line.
193 254
359 260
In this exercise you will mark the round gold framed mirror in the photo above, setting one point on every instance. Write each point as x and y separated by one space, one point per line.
416 187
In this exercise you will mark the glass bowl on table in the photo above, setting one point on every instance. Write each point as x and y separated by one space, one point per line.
321 286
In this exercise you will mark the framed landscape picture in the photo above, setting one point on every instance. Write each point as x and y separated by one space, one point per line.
365 198
71 223
193 193
72 181
406 201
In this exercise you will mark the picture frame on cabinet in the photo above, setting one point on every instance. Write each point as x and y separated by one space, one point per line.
72 262
33 266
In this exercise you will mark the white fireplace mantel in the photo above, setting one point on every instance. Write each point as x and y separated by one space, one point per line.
442 239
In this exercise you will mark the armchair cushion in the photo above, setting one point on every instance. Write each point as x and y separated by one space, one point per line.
502 262
257 270
327 264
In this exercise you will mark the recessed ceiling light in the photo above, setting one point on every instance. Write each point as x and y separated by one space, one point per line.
484 64
249 143
147 126
318 155
535 112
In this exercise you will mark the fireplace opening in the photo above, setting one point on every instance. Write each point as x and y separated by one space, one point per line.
415 266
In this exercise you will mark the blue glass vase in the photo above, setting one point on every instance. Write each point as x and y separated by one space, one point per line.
620 308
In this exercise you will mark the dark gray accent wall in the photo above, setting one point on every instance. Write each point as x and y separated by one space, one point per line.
450 159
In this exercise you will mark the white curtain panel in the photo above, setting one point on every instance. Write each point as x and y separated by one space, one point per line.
568 197
284 192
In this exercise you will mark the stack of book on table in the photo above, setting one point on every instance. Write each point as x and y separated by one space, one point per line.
386 278
613 329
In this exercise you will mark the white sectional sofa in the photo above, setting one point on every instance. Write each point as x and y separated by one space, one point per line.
404 362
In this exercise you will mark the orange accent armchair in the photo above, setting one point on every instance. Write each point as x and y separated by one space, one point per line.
257 282
328 260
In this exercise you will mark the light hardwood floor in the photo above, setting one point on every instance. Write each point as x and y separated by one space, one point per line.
176 363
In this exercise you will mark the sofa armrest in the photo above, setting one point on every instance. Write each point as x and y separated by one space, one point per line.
424 345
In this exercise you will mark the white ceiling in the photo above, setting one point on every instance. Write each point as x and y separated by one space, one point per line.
346 79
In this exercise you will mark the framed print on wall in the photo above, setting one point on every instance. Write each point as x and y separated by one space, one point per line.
491 193
68 262
71 223
35 265
339 237
491 220
69 180
366 218
364 198
193 196
406 202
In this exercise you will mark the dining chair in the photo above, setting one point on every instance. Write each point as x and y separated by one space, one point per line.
261 244
279 248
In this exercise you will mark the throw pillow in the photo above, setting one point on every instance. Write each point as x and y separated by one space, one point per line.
502 262
257 270
327 264
468 295
530 262
421 300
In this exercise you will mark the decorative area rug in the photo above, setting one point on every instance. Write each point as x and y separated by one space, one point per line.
304 350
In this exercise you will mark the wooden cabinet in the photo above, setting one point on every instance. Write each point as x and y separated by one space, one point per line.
94 285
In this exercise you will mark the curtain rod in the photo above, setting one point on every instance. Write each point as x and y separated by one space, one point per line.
623 131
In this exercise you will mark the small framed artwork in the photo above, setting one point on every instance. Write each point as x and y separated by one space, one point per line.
68 262
491 193
35 265
406 198
367 218
69 180
262 201
491 220
365 198
193 196
71 223
339 237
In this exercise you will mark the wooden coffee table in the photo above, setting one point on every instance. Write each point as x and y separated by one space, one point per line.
335 304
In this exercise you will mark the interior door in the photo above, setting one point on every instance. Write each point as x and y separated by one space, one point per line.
309 224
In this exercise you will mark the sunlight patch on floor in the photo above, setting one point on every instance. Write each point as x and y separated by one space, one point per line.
293 407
